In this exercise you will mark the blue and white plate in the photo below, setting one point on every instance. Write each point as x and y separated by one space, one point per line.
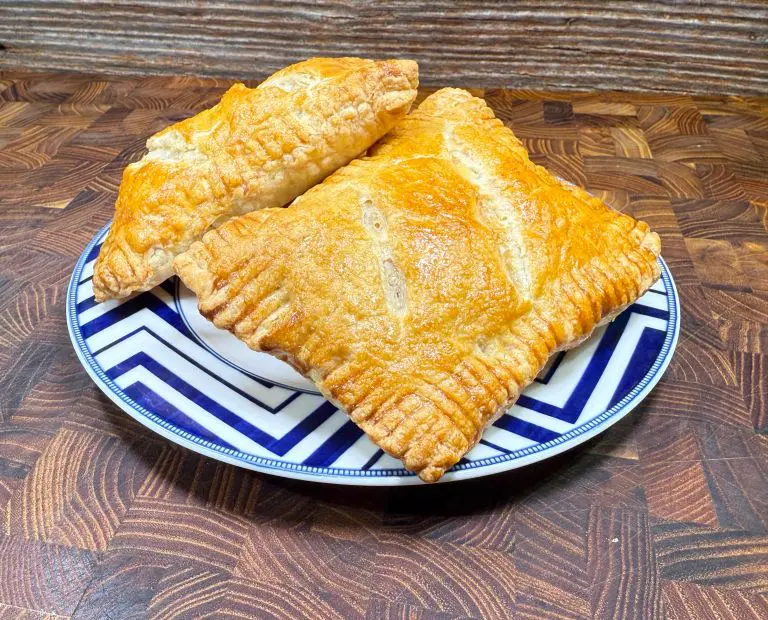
164 364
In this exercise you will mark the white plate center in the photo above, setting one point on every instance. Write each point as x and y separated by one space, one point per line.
234 351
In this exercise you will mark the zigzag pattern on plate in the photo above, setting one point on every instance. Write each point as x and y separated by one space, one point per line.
146 351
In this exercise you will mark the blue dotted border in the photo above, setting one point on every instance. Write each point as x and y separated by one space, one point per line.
111 389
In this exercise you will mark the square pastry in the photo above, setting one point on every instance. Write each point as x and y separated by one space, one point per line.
422 287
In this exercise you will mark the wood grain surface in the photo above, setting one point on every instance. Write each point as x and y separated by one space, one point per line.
718 46
664 515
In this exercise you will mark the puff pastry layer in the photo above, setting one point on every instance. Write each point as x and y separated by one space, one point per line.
256 148
423 287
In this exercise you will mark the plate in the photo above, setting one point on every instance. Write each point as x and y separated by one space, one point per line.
156 357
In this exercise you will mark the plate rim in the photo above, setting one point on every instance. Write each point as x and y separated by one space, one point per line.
352 477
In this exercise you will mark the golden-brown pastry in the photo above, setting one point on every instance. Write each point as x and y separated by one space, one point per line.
256 148
423 287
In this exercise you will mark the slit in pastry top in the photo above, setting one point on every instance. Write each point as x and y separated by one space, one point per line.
424 286
257 148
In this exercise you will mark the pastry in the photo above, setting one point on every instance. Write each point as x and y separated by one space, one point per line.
423 287
256 148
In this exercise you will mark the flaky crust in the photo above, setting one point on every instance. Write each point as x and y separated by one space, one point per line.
423 287
256 148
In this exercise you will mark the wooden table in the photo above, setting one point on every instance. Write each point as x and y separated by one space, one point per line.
666 514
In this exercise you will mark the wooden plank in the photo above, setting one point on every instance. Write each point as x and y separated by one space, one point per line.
709 46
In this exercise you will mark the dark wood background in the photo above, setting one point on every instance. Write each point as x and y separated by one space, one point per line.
663 516
718 46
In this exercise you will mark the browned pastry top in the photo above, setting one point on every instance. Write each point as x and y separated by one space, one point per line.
256 148
423 287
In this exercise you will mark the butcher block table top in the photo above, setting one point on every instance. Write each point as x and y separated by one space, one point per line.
664 515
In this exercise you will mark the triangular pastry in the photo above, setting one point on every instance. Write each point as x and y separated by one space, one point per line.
424 286
256 148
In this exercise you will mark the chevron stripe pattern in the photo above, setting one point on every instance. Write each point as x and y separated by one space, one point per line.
147 356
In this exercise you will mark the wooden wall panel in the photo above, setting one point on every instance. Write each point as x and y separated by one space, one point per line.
700 46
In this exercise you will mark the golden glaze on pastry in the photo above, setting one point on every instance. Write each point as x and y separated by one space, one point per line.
256 148
423 287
